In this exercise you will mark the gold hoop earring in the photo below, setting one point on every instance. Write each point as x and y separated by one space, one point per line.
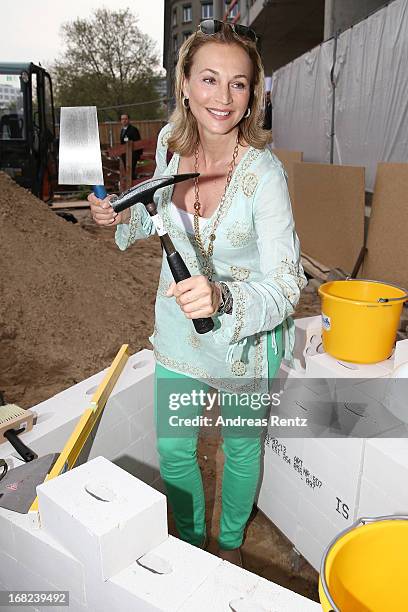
248 112
186 103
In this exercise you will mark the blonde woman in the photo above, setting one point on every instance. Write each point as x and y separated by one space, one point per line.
233 227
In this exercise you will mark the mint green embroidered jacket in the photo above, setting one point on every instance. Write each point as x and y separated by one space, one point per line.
256 252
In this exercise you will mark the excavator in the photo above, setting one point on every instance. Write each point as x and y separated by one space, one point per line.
28 143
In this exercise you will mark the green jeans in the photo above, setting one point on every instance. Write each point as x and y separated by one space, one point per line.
180 471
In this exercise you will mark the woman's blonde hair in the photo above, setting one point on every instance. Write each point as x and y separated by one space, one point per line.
184 133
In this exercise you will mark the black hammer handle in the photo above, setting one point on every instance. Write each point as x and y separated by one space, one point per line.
180 272
25 453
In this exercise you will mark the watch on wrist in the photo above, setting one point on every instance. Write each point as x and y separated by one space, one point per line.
226 303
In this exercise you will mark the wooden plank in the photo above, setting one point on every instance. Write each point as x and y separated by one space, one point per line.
120 149
328 207
387 240
110 131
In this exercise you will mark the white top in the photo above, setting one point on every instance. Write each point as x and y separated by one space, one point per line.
185 219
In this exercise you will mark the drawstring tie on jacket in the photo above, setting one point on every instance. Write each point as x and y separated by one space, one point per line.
233 348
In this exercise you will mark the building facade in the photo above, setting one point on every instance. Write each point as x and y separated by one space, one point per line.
286 28
181 18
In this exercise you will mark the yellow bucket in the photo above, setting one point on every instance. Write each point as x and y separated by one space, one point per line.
365 568
360 319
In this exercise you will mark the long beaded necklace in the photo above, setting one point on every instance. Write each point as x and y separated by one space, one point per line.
207 255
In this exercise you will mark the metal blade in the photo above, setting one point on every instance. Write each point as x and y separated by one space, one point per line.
80 160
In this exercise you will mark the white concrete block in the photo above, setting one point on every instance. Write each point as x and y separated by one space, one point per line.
268 593
401 353
287 372
149 449
61 569
386 466
322 473
315 534
10 519
349 450
135 450
357 414
135 387
225 583
308 338
112 443
281 515
375 388
190 567
299 400
55 440
328 485
8 571
319 524
282 453
142 421
7 543
326 366
282 484
153 461
284 600
374 502
32 578
133 460
229 582
295 393
309 547
106 535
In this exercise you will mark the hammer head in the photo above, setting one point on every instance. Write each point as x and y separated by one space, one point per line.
144 192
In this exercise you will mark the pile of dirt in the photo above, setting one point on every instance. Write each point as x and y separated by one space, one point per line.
69 300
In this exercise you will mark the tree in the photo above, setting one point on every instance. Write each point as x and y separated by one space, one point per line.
108 62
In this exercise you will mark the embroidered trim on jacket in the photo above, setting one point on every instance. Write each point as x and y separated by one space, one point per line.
239 234
239 307
133 225
193 340
173 229
239 273
249 183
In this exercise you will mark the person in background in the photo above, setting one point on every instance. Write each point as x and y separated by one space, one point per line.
267 124
130 132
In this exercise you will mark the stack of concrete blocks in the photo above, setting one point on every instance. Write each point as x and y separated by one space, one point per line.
101 534
125 433
314 487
